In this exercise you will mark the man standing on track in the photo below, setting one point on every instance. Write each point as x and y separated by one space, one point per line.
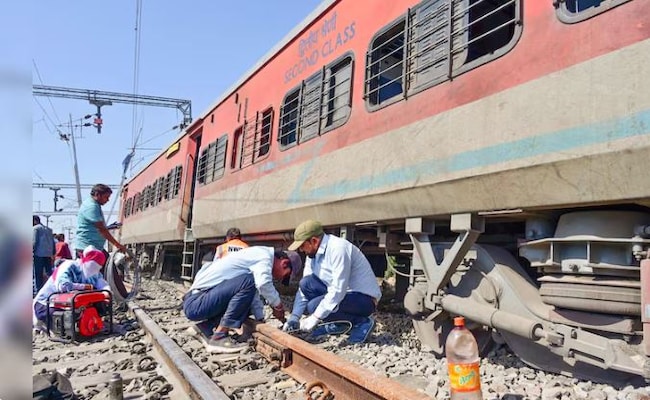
91 226
43 248
224 290
338 286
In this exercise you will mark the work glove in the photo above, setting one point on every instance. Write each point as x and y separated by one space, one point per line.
278 312
292 324
309 323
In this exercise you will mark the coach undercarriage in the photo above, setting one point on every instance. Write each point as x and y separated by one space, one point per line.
582 317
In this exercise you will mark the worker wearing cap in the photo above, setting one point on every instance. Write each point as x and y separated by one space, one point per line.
338 284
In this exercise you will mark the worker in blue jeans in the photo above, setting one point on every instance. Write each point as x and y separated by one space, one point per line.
225 292
338 290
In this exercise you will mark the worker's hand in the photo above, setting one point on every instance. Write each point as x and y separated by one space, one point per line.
88 286
278 312
309 323
292 324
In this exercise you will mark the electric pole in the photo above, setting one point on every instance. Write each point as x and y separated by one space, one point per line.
56 197
76 168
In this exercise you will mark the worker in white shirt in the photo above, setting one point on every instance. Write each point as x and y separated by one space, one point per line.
224 291
338 290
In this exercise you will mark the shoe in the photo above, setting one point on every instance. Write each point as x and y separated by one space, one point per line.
203 328
360 332
332 328
39 327
224 344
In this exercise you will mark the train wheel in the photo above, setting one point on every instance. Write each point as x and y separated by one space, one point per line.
123 276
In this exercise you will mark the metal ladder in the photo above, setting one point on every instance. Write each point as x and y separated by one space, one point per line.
187 261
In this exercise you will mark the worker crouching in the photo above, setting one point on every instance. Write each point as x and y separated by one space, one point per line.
225 293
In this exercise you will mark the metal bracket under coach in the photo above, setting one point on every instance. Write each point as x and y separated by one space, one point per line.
584 317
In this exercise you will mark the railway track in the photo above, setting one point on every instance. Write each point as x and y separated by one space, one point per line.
160 357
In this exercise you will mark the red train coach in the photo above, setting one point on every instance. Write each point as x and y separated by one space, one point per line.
156 201
495 150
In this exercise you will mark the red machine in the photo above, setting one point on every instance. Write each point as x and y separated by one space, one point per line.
74 314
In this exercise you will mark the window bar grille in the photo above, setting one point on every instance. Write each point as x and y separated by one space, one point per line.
333 99
378 61
450 39
299 113
320 101
512 21
405 48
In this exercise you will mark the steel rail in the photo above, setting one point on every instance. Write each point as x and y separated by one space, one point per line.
195 382
318 368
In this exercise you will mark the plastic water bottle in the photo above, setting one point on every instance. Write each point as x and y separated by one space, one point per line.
463 363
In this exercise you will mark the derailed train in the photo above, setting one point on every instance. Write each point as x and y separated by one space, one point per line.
498 150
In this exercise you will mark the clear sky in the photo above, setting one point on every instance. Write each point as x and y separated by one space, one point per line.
191 50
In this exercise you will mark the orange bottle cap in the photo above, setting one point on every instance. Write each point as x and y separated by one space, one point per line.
459 321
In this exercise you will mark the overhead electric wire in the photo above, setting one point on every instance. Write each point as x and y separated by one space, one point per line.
136 69
47 118
136 82
38 73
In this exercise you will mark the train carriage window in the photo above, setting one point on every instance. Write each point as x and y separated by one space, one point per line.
159 189
131 206
247 143
150 195
572 11
155 191
385 65
170 184
321 103
264 125
176 182
150 191
287 134
337 94
428 42
237 148
436 41
252 140
200 169
310 108
125 209
210 154
145 198
220 157
212 161
165 188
